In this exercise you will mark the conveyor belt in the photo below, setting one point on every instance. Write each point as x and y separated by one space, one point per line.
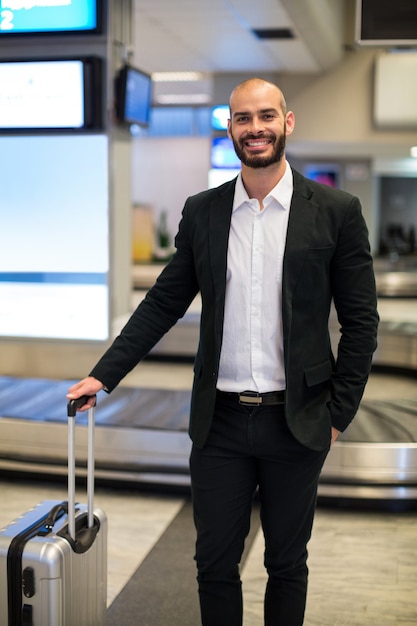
384 421
44 400
141 436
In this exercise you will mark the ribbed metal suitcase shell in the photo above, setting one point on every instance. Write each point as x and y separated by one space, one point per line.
70 589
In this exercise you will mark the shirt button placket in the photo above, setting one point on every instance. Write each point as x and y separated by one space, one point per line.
256 295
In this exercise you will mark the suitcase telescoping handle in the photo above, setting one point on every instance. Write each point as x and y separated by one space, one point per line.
72 407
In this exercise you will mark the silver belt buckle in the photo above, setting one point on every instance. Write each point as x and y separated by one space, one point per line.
250 397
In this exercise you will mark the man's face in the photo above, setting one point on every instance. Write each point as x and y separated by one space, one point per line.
258 126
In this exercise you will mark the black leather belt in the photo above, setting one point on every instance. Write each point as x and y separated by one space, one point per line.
253 398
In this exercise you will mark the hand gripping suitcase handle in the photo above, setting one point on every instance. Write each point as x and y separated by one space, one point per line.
72 411
73 405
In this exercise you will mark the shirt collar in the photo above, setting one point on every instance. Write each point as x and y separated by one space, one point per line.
282 192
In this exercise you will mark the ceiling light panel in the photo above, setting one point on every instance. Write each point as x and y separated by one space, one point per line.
175 77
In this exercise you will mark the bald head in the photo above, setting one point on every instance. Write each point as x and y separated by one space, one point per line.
257 85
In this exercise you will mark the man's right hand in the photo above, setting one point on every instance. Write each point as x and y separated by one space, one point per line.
89 386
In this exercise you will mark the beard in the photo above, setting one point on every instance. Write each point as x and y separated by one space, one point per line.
257 161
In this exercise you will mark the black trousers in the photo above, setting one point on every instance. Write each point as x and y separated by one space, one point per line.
250 449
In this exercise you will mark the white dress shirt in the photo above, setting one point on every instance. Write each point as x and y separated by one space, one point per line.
252 350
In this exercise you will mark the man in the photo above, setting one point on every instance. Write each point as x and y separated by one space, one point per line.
268 252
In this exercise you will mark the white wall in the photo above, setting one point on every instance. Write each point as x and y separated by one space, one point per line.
334 113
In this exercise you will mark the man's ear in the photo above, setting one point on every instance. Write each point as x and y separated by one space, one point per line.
290 119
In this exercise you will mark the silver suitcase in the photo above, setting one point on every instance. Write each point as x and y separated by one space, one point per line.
53 558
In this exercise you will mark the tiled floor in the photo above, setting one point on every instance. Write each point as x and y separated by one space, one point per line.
363 564
363 571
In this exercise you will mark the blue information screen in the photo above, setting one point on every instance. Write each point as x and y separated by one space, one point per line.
43 16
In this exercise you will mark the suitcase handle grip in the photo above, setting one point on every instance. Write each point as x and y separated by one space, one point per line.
73 405
54 514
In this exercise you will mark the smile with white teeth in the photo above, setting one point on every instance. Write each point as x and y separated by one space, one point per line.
257 143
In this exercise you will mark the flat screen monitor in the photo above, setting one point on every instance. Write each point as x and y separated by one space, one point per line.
223 155
51 94
29 17
386 22
219 116
326 174
133 96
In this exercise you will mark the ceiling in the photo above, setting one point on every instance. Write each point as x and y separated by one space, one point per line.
218 36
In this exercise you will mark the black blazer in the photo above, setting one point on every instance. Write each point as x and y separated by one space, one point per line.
326 257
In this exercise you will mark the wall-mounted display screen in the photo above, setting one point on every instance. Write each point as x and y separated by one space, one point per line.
223 154
384 22
219 116
31 17
51 94
54 240
326 174
133 96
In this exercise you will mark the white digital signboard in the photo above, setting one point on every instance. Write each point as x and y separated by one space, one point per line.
54 240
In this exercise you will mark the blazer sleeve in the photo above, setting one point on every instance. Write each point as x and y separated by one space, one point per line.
354 296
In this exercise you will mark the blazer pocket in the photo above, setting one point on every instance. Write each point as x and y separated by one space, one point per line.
318 373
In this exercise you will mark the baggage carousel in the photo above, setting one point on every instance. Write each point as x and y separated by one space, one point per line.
141 433
141 436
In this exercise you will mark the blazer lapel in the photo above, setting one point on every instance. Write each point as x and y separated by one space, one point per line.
219 226
301 225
